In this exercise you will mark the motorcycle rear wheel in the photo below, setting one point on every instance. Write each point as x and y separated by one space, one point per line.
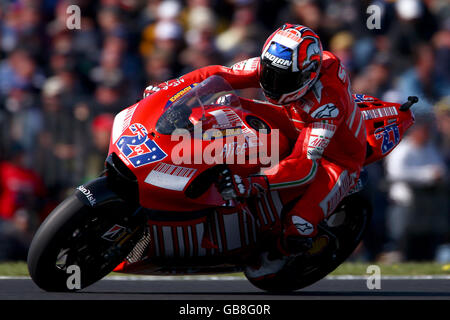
72 236
307 269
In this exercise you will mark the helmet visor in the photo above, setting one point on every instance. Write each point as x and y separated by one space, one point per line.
276 82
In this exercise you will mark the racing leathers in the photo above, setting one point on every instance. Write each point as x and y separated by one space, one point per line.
330 147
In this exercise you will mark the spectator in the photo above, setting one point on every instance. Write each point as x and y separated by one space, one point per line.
374 79
56 158
22 199
20 188
20 70
443 124
16 235
417 218
414 25
423 81
244 33
101 128
109 97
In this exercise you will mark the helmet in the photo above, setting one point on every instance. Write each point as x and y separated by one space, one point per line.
290 63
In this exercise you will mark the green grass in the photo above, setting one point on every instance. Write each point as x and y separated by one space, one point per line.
358 269
15 269
409 269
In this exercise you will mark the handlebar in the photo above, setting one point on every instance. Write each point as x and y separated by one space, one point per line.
411 100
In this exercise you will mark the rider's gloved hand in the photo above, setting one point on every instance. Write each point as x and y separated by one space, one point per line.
150 90
229 100
232 186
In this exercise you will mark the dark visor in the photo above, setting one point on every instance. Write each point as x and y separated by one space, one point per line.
276 82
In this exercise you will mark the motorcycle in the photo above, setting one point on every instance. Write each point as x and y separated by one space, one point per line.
156 209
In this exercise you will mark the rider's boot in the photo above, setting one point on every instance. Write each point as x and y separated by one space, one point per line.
273 260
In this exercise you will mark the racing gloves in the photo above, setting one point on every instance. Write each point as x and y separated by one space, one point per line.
234 187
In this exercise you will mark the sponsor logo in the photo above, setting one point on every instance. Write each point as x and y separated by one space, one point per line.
234 148
170 177
239 66
290 35
321 134
303 227
279 62
138 148
252 64
318 142
379 113
279 55
221 133
339 191
173 83
179 94
226 118
88 194
114 233
328 110
246 65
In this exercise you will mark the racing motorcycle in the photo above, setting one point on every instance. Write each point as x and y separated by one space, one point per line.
157 210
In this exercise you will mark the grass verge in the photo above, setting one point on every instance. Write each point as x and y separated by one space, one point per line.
349 268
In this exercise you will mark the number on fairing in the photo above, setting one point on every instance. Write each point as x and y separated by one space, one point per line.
389 144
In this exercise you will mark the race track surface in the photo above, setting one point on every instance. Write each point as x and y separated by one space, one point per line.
233 289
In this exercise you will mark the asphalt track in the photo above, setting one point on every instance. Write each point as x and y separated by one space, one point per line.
233 288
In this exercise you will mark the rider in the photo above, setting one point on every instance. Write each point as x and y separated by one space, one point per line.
330 150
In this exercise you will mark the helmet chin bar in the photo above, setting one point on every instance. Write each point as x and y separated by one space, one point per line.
290 96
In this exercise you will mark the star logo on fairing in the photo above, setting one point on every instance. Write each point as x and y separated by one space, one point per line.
303 227
328 110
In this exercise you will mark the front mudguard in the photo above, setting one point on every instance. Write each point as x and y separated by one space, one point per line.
96 192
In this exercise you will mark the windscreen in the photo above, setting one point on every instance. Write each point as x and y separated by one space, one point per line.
189 110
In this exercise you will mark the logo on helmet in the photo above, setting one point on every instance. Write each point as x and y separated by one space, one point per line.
279 55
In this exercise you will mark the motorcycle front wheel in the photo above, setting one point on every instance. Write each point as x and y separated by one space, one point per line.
94 239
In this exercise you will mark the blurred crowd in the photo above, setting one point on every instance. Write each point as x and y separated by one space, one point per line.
60 88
